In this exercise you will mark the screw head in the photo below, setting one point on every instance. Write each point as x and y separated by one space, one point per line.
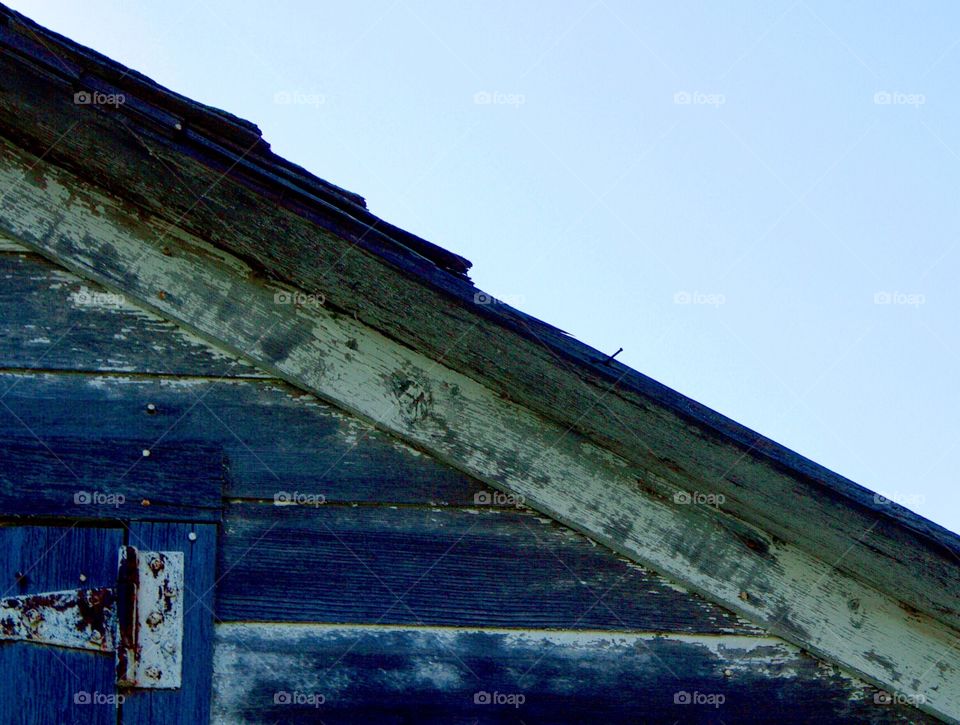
192 536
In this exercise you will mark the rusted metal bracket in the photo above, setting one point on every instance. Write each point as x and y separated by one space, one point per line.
150 587
141 619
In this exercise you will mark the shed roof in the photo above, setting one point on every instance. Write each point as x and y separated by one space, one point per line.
293 229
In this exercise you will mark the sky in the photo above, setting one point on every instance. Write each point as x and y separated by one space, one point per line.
757 201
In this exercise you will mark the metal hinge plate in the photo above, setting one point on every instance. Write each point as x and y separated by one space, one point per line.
141 619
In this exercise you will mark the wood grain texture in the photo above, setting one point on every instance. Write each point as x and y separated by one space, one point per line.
272 439
106 478
290 674
852 616
52 320
42 685
190 703
8 245
460 567
680 443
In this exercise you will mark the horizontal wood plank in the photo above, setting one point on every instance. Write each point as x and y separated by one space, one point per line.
99 478
273 440
52 320
377 565
290 674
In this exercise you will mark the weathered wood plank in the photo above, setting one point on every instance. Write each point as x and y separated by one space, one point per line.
8 245
52 320
445 567
190 704
800 593
295 674
681 443
51 684
98 478
274 439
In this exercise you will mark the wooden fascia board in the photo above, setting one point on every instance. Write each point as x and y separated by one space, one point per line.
805 599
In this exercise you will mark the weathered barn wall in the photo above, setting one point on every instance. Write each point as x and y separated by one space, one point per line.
390 586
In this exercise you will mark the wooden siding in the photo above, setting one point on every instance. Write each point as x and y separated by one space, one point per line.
414 565
295 674
53 320
387 597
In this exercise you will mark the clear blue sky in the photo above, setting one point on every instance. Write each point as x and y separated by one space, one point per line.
756 200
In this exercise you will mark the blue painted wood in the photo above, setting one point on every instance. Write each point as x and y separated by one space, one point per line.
274 438
52 320
51 685
95 478
382 565
191 703
400 677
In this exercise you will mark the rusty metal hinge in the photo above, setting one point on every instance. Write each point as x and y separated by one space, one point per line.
141 619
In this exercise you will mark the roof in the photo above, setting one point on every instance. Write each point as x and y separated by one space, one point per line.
293 229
